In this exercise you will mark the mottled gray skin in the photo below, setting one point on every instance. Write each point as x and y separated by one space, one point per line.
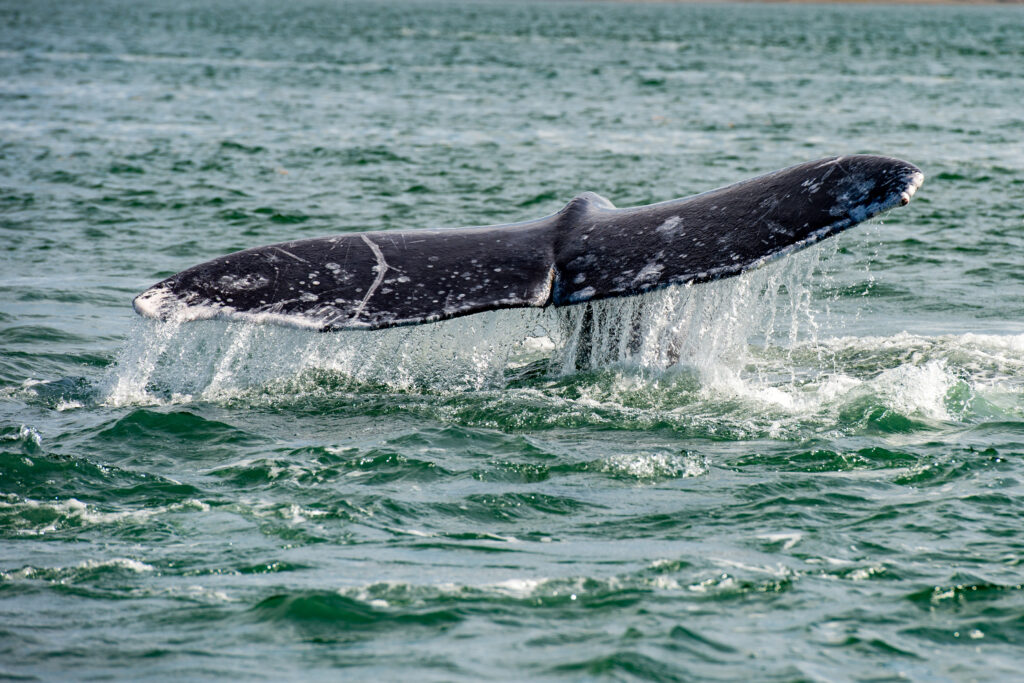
587 251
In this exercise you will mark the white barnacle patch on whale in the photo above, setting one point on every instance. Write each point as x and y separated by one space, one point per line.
235 283
854 194
581 262
649 273
583 294
670 224
154 301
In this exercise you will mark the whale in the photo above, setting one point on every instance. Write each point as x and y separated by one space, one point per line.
588 251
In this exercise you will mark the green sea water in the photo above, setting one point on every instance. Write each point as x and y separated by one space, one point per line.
811 472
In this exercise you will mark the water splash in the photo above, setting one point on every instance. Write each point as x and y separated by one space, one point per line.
708 328
745 355
704 327
214 360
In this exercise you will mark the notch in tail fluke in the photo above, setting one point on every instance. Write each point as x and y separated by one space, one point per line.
587 251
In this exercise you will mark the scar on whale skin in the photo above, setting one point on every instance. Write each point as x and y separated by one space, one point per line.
381 268
587 251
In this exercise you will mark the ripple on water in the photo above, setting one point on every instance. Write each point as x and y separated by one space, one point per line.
763 476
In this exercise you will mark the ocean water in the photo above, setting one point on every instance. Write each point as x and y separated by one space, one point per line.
811 472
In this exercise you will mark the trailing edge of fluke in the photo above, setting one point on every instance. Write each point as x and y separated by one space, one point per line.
587 251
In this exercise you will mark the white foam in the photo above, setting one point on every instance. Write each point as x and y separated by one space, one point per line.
27 435
86 514
788 539
917 390
657 465
519 588
118 562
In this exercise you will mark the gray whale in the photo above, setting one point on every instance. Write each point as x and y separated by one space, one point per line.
589 250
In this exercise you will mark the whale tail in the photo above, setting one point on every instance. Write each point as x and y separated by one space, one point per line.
588 251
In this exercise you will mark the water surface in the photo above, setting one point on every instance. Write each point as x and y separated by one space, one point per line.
809 472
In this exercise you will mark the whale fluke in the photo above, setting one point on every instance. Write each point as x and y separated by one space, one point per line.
587 251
